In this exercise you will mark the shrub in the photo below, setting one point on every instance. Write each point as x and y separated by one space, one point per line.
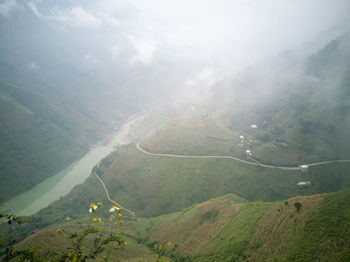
77 251
297 206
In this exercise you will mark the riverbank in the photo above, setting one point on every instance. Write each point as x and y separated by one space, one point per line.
63 182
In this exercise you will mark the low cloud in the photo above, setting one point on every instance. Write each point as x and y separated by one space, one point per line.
6 7
110 19
206 77
144 49
75 17
116 50
32 65
199 84
91 61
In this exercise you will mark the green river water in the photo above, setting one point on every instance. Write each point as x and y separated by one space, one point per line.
62 183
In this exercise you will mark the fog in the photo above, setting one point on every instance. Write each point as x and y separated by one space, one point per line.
267 81
162 50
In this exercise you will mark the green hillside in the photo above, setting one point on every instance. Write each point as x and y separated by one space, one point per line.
153 185
301 114
37 138
225 229
50 241
244 214
229 228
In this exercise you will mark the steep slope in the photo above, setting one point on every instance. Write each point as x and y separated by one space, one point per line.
38 138
155 185
226 230
49 240
300 106
229 228
216 230
299 128
318 232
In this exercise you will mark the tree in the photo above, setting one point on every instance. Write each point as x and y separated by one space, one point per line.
297 206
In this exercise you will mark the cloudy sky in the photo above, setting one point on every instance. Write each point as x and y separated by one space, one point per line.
214 37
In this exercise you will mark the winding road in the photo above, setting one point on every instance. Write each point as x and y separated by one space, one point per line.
124 138
235 158
111 200
328 162
206 157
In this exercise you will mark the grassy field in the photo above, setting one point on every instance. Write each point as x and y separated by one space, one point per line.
151 185
192 135
49 241
280 228
278 142
162 185
231 229
217 230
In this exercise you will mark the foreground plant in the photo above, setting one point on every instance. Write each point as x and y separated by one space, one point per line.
83 245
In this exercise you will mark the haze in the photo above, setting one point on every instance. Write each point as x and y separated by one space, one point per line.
234 114
169 48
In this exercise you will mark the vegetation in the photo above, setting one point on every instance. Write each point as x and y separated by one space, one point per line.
297 206
258 231
152 186
280 113
326 234
77 246
38 138
222 229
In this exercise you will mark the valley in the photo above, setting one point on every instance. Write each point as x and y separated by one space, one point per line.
193 169
187 186
30 202
177 131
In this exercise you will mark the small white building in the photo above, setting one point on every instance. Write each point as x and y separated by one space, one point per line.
254 126
304 183
304 168
248 152
242 138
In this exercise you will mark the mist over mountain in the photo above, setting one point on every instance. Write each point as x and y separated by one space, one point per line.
109 52
232 114
289 97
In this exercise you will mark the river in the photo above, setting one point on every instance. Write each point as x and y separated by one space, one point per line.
40 196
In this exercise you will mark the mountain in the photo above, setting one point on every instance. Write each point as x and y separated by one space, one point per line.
301 102
155 185
285 112
53 105
39 137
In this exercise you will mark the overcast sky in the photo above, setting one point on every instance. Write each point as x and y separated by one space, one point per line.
221 36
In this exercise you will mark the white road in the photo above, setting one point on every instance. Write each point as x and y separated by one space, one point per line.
126 130
122 139
111 200
237 159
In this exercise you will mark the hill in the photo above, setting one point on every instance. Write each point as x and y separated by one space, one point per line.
229 228
182 164
38 138
49 240
155 185
300 107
